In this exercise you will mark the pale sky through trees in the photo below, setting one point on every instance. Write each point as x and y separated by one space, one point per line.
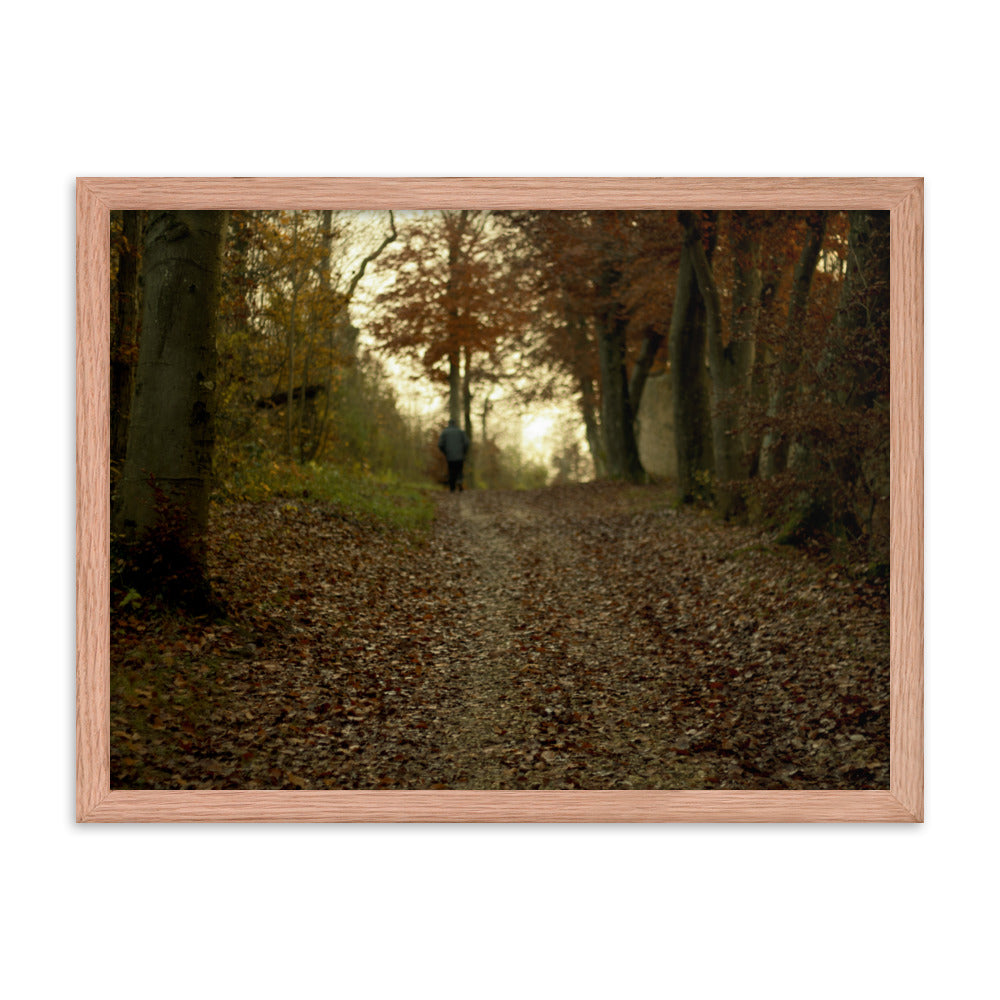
538 430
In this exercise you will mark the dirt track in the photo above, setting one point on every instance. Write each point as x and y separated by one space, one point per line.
578 637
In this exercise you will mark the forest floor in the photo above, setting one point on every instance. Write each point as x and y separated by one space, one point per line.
587 636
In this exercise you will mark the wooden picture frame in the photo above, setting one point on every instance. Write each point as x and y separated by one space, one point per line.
903 802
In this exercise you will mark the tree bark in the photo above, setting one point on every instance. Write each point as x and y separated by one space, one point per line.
740 352
328 317
455 228
651 342
774 450
290 337
124 332
730 364
689 384
455 387
595 439
167 475
467 408
617 424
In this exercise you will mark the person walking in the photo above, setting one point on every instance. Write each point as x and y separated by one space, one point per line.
454 445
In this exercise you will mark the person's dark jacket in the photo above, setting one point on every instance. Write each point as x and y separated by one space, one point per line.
453 443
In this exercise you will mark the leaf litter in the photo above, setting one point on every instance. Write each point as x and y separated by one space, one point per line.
587 636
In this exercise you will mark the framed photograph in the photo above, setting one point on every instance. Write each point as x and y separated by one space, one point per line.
500 500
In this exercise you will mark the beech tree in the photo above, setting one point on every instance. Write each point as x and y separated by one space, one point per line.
165 482
689 384
617 414
730 352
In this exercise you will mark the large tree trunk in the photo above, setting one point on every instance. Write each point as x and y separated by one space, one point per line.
168 466
730 363
774 450
124 331
621 450
689 384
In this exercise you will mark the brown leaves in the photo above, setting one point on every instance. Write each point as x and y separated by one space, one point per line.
581 637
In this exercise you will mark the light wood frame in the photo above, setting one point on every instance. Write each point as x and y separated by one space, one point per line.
903 802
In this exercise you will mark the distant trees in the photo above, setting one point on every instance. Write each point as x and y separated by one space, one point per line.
453 302
776 342
796 338
237 329
577 264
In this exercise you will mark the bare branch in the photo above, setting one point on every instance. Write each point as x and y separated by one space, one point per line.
367 260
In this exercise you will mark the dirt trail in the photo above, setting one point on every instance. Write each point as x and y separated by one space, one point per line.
595 640
574 637
601 641
502 559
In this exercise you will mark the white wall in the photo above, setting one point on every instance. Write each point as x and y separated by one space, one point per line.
512 89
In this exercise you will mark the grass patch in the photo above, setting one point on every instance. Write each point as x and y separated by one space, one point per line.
379 501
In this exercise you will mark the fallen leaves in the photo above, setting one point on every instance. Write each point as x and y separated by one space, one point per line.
575 637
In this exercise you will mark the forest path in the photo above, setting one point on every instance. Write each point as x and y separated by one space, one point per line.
597 638
507 563
586 636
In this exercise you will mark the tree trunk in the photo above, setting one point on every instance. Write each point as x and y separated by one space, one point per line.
455 387
290 339
329 319
467 408
689 385
305 406
651 342
168 466
455 224
595 439
774 450
740 353
730 364
124 332
621 450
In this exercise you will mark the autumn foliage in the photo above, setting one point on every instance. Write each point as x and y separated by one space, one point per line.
320 616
